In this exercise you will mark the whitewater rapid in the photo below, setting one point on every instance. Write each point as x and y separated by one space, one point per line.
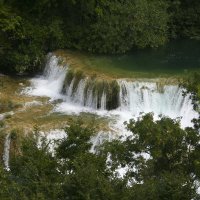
135 97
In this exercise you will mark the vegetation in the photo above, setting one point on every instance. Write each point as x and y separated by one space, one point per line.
30 29
162 162
192 85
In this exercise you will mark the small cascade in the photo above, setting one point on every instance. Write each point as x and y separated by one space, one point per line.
51 82
6 153
53 71
75 94
103 101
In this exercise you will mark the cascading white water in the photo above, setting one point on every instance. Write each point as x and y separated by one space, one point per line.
51 82
6 153
103 101
135 97
146 97
76 96
84 97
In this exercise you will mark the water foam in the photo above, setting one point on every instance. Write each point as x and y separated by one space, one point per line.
51 82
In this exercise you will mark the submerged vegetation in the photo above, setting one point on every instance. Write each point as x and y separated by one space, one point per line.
30 29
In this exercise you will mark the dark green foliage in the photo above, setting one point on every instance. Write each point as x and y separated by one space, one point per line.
169 146
120 25
85 175
192 85
173 164
76 173
185 18
34 171
30 29
89 179
25 41
168 186
150 23
77 141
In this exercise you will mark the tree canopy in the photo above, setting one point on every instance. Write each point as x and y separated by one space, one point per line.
30 29
161 161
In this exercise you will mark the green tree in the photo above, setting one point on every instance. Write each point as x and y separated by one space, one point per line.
35 171
192 85
85 174
172 165
120 25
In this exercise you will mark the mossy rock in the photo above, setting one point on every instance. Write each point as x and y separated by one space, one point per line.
68 79
78 76
95 85
113 96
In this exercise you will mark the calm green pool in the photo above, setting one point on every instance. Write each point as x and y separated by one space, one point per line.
176 58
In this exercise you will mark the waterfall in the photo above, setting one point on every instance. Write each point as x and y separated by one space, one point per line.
51 82
6 152
75 95
126 98
103 101
85 92
146 97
